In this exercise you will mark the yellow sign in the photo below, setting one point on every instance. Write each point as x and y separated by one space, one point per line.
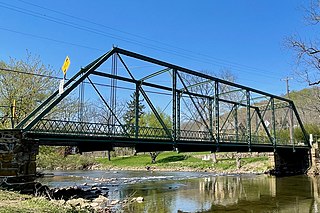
13 108
65 65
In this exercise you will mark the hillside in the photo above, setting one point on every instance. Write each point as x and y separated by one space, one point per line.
307 103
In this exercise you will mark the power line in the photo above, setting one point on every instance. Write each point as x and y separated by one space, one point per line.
135 35
28 73
50 39
86 82
106 85
99 32
81 27
87 47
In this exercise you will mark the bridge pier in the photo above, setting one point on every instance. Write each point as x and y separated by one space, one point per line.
289 162
17 157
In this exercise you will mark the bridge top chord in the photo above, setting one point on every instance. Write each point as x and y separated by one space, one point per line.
203 110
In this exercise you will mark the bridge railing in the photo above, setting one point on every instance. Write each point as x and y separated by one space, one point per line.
102 129
153 133
188 135
75 127
128 131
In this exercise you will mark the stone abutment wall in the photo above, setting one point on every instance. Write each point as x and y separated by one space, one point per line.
17 157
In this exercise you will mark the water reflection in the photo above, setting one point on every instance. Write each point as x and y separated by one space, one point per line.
228 193
199 192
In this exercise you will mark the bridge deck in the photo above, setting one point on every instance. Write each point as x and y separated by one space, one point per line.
98 136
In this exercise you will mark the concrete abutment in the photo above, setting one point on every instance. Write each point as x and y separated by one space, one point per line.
291 162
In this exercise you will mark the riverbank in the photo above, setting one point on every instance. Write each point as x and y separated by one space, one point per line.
37 197
16 202
171 161
166 161
189 191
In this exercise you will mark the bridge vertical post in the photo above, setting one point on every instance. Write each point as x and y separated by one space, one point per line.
235 115
210 119
248 119
174 106
178 115
113 95
216 112
81 102
81 106
291 126
136 125
273 121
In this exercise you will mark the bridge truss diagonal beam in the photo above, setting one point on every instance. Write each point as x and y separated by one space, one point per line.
107 105
227 111
144 94
47 105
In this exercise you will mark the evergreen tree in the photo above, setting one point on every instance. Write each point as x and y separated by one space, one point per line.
130 114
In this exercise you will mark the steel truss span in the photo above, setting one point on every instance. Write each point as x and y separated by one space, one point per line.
206 112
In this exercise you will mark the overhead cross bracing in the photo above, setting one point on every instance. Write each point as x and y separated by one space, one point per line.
206 112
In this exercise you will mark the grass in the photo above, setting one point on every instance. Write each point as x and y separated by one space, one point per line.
51 158
15 202
184 161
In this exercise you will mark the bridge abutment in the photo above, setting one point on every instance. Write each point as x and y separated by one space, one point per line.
17 157
291 162
315 157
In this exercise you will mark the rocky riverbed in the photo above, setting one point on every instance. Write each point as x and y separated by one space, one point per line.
94 199
88 198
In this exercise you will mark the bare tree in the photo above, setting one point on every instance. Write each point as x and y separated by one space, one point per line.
205 87
307 59
313 12
307 51
307 54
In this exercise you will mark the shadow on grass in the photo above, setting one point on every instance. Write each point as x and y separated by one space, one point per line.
172 159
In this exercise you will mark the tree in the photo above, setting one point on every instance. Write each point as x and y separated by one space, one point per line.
307 54
205 87
150 120
25 83
129 117
130 114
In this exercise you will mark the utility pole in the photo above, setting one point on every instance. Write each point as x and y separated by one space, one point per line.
290 109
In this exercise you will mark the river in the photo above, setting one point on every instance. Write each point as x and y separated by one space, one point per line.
199 192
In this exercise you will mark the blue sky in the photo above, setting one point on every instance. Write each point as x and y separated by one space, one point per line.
246 37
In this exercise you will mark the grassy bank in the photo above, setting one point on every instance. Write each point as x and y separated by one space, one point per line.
15 202
185 162
52 158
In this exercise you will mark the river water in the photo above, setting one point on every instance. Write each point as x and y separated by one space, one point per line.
199 192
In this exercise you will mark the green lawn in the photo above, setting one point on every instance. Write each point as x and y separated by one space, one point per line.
182 161
50 158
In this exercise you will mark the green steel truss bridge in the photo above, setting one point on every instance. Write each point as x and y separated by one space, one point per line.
205 113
